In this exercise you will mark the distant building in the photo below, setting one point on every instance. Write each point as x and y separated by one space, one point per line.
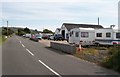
119 15
66 27
57 31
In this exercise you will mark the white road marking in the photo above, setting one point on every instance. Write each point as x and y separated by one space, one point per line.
50 68
18 39
23 45
20 42
30 52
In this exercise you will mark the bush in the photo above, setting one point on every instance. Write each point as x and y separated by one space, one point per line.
113 60
2 39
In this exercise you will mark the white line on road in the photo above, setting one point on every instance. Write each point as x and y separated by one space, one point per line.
23 45
18 39
20 42
30 52
50 68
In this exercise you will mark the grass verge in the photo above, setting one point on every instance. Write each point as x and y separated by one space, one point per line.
2 39
104 56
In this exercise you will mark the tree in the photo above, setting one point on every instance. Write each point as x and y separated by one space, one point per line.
47 31
36 30
27 30
20 31
7 31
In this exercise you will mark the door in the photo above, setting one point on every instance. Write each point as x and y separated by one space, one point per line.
63 33
76 37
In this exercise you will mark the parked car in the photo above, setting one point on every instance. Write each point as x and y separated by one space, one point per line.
50 37
28 35
38 36
45 36
23 35
58 37
33 37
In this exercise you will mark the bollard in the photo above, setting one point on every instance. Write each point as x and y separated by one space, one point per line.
79 48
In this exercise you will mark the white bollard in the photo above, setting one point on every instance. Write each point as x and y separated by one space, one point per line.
80 46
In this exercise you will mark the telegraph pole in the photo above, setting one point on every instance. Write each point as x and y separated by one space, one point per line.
98 21
7 28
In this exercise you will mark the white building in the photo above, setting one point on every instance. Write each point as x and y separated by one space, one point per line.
57 31
66 27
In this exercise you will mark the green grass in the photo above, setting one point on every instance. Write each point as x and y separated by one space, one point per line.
108 57
2 39
113 60
90 54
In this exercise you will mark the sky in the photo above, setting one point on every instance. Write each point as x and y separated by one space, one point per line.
51 14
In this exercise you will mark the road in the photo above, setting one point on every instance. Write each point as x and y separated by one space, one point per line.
21 56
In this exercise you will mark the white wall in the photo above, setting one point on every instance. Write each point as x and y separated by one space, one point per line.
57 31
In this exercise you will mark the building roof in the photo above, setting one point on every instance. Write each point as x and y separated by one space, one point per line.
58 29
70 26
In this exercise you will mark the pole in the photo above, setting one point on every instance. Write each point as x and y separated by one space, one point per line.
7 28
98 20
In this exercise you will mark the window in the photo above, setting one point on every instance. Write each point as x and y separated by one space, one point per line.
117 35
99 34
108 34
67 35
84 34
71 33
77 34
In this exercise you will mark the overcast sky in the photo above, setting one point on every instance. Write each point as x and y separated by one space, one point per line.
50 14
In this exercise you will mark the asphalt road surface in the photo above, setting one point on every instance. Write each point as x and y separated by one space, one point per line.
21 56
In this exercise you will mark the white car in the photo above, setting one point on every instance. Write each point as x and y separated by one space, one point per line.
51 37
28 35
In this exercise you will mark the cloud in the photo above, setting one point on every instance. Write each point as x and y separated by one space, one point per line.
54 12
59 10
49 0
